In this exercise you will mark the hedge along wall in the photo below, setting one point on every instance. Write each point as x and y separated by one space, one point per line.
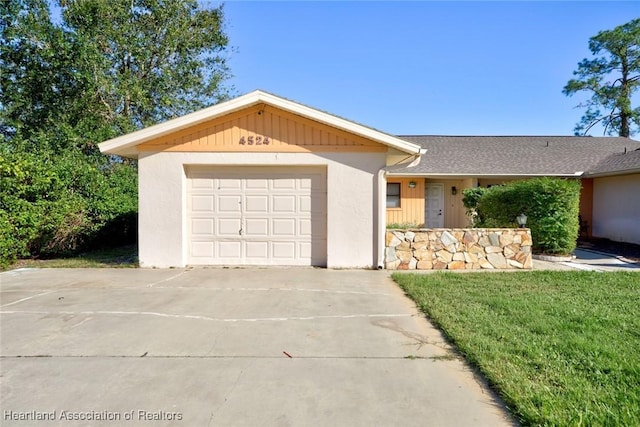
552 206
458 249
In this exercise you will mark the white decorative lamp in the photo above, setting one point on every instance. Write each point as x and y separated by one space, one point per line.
522 220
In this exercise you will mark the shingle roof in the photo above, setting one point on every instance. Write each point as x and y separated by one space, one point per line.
615 164
512 155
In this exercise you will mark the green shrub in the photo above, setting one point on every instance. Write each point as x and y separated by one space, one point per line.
403 225
471 198
551 206
61 202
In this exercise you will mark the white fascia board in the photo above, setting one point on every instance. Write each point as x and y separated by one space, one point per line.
340 123
613 173
483 175
126 143
132 139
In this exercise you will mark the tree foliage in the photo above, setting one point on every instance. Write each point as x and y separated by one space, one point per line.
149 60
39 84
54 203
612 77
107 68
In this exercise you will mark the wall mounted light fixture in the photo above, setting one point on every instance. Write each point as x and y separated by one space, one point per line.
522 220
454 190
412 184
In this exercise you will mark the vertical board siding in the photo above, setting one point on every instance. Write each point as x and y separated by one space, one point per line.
453 207
287 132
454 211
453 204
412 202
411 210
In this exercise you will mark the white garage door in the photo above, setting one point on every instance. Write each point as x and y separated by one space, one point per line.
257 216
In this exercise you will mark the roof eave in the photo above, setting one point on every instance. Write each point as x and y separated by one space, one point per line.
340 123
481 175
613 173
125 144
122 144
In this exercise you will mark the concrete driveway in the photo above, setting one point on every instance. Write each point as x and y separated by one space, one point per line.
599 261
589 260
226 347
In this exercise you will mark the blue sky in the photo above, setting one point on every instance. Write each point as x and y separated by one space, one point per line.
456 68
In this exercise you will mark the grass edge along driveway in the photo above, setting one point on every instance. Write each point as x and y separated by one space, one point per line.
561 348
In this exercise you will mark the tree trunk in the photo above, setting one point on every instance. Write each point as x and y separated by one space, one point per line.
624 125
626 94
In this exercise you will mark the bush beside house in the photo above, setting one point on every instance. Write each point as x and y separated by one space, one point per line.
551 206
57 203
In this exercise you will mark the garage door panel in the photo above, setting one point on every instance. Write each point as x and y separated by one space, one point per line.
202 203
257 227
229 227
256 184
284 204
201 183
229 184
257 215
305 249
305 227
229 250
202 226
304 203
202 249
306 183
258 250
283 184
283 227
284 250
255 203
229 204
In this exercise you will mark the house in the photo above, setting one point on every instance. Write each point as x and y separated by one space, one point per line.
614 184
262 180
431 187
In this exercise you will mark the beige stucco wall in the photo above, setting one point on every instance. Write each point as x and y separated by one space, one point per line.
616 208
352 216
395 157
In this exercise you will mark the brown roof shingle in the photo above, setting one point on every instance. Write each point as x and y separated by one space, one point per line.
615 164
512 155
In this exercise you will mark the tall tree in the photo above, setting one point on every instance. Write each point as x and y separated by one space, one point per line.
107 68
611 78
110 67
39 82
150 60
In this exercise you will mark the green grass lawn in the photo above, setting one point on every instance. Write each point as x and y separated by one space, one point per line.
121 257
561 348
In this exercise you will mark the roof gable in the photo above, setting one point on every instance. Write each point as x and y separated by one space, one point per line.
172 133
262 128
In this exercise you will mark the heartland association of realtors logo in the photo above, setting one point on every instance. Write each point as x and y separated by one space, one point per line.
132 415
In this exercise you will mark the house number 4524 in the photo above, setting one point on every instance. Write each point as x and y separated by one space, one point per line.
254 140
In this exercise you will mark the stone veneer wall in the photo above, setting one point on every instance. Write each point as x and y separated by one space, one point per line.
458 249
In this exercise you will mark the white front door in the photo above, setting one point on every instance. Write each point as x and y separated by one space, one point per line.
434 206
257 216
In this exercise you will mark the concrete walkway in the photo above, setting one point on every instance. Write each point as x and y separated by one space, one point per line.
589 260
227 347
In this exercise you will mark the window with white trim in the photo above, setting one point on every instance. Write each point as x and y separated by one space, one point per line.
393 194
